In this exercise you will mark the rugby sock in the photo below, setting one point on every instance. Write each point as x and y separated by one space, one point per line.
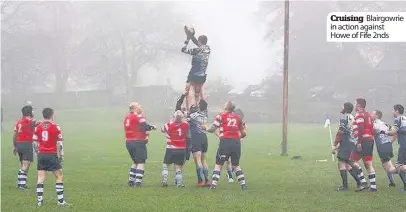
40 192
402 176
360 176
59 191
372 180
165 174
240 176
179 178
343 174
22 177
139 174
132 175
229 173
199 172
215 177
390 177
206 174
355 176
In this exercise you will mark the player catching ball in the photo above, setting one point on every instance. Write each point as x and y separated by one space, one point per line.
200 61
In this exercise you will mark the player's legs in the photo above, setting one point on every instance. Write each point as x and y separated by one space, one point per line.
229 171
197 157
221 157
178 158
390 170
179 175
165 167
401 166
198 90
342 167
187 88
353 162
367 156
191 96
235 162
165 174
59 187
40 186
25 153
131 151
205 169
353 173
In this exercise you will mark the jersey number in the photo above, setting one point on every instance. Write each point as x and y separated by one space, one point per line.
127 122
19 128
44 136
231 122
179 132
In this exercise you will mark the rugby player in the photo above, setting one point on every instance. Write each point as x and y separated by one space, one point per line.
198 142
344 145
50 155
136 134
176 131
23 144
399 130
197 75
384 145
231 132
363 129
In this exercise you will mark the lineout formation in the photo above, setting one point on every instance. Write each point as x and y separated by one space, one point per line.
186 133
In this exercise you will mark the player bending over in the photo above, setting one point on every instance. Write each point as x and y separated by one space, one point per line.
363 134
344 145
384 145
136 135
399 130
231 132
50 155
197 74
176 132
23 144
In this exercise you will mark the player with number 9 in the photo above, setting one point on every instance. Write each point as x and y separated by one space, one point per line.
231 132
48 134
176 132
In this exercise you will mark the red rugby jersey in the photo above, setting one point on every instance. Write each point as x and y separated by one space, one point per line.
363 127
132 127
48 134
176 134
24 129
229 124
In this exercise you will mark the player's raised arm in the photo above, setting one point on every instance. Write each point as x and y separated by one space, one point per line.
192 51
178 105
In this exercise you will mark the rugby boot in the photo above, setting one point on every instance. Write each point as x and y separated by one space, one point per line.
342 188
362 187
63 204
244 187
391 185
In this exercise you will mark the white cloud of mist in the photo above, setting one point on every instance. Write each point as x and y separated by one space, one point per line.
239 55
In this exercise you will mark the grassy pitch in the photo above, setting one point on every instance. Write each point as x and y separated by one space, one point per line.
97 164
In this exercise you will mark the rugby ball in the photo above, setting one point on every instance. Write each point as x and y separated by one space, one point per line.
189 30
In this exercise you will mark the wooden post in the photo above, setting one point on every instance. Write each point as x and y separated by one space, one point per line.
285 82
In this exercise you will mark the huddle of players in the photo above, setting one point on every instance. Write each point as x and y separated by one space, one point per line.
185 133
356 138
45 138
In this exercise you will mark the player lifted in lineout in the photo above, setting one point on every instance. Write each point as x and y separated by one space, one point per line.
231 132
200 60
344 145
176 132
384 145
23 144
50 155
136 136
